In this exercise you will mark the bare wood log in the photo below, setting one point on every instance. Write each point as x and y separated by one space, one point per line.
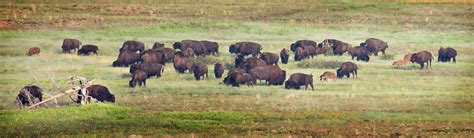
75 89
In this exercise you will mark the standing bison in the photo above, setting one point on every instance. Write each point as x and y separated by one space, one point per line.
157 45
182 63
346 69
199 70
126 58
298 79
198 46
86 49
237 78
253 62
284 55
301 43
132 46
245 48
28 94
70 44
33 51
446 54
153 57
299 54
218 70
338 47
272 74
151 69
360 52
269 58
139 77
212 47
375 45
422 58
98 92
169 53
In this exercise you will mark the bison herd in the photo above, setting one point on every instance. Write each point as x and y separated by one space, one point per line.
262 66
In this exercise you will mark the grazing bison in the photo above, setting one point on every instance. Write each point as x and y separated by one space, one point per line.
253 62
126 58
28 94
132 46
158 45
347 68
360 52
299 54
446 54
98 92
284 55
151 69
298 79
270 73
234 70
269 58
422 58
70 44
139 77
301 43
33 51
375 45
218 70
86 49
181 64
212 47
198 46
245 48
199 70
327 76
237 78
239 61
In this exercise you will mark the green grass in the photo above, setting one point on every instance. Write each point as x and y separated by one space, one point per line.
383 100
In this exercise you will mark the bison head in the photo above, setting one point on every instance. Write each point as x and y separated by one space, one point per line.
289 84
362 44
177 45
234 48
116 64
413 58
365 58
339 73
133 68
131 83
293 47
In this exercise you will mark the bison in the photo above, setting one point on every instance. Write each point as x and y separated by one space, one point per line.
298 79
245 48
237 78
198 46
234 70
28 94
86 49
33 51
153 57
338 47
301 43
422 58
126 58
375 45
284 55
446 54
218 70
199 70
139 77
212 47
181 63
189 52
151 69
269 58
327 76
158 45
239 61
98 92
346 69
360 52
132 46
70 44
168 52
253 62
270 73
299 54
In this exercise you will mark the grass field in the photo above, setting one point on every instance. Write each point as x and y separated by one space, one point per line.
382 101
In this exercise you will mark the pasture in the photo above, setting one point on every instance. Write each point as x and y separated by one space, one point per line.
382 101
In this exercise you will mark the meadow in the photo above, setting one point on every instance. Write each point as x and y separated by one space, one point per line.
383 100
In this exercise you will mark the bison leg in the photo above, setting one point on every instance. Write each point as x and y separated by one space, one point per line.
376 53
422 65
144 83
312 87
454 59
355 72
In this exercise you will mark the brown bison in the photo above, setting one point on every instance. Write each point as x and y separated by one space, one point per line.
446 54
327 76
375 45
269 58
298 79
422 58
299 54
151 69
284 55
237 78
301 43
98 92
199 70
234 70
181 63
212 47
253 62
360 52
33 51
139 77
400 62
168 52
218 70
132 46
338 47
346 69
86 49
189 52
239 61
158 45
153 57
28 94
126 58
270 73
198 46
245 48
70 44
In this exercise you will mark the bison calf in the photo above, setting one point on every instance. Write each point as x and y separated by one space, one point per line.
298 79
86 49
199 70
139 77
218 70
327 76
33 51
284 55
